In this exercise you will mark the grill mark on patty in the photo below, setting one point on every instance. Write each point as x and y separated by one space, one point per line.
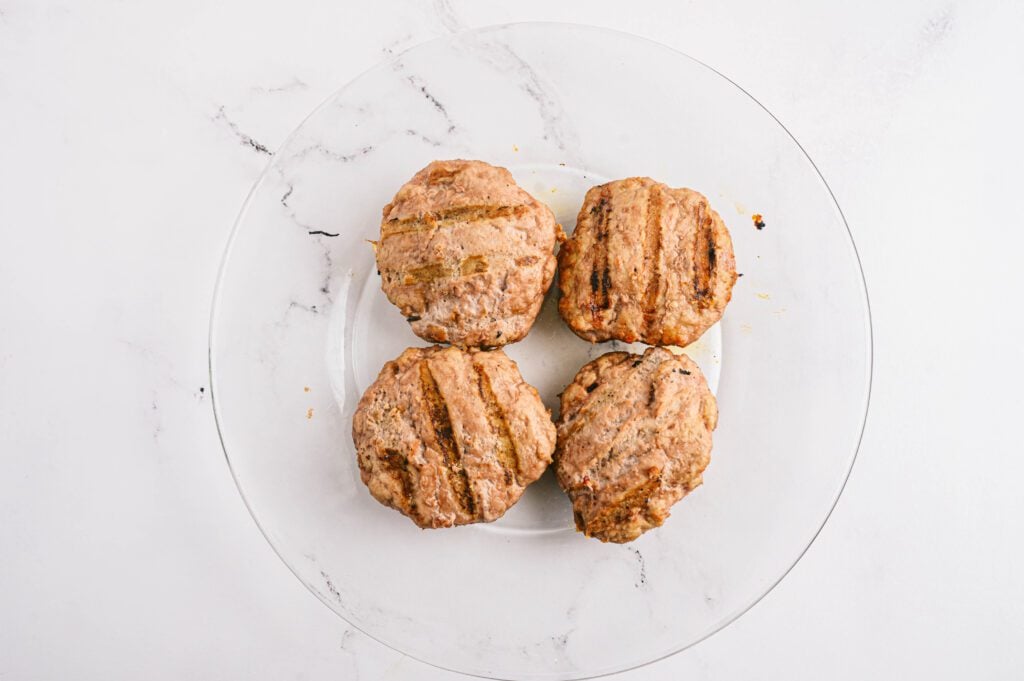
426 273
621 512
440 420
634 425
467 267
608 363
397 465
474 264
615 449
600 398
449 217
652 249
704 257
505 449
600 277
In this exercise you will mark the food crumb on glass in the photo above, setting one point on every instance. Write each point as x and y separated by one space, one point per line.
309 413
758 221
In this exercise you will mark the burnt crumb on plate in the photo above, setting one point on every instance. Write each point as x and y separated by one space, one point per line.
758 221
320 232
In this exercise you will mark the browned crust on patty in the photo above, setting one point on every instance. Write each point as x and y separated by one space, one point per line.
645 263
466 254
450 437
634 437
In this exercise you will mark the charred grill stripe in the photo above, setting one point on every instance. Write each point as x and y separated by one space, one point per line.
449 217
634 501
397 464
600 278
704 258
633 426
599 397
441 423
426 273
652 249
614 451
505 449
467 267
474 264
568 414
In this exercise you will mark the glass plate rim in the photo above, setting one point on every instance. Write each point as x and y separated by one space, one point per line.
214 306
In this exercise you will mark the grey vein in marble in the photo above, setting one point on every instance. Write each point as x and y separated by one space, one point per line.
325 286
295 83
641 580
290 210
294 218
330 586
163 364
322 150
243 139
938 26
418 83
429 140
561 642
346 636
158 426
294 304
395 44
557 128
446 15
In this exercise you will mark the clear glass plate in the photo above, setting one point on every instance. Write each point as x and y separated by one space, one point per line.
300 328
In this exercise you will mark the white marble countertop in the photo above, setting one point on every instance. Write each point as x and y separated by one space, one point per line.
131 135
